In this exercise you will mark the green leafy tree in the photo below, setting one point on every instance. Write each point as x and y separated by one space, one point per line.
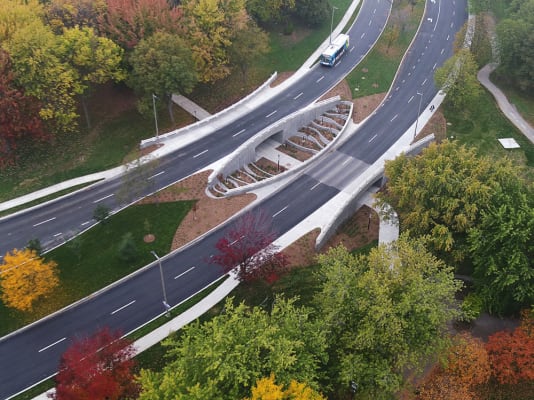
128 250
247 45
96 59
502 247
441 193
225 356
62 14
162 65
516 44
270 11
101 213
385 312
15 14
458 78
312 12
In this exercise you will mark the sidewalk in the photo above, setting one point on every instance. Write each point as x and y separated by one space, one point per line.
507 109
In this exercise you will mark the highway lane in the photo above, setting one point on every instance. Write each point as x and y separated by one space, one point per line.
58 221
139 299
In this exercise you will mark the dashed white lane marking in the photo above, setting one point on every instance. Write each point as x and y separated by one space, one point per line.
363 34
448 36
278 212
50 345
239 133
352 48
320 79
411 98
434 67
374 11
183 273
452 24
442 50
44 222
370 22
394 118
346 161
314 186
58 234
297 96
422 84
123 307
271 114
199 154
85 223
104 198
373 138
158 174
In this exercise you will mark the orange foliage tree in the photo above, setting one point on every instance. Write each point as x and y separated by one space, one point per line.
511 356
268 389
24 277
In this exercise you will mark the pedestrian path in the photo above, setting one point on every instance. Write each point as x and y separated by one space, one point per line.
191 107
506 107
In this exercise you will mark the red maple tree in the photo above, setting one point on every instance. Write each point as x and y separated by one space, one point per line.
248 246
511 356
97 367
19 114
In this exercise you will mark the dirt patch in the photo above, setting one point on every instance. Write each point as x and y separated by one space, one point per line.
149 238
294 152
436 125
364 106
342 89
282 76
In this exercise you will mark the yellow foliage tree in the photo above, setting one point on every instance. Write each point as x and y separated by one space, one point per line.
24 277
267 389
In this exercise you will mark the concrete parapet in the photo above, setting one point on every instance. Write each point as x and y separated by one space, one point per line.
259 93
281 130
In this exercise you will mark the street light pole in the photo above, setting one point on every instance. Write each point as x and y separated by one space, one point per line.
165 303
154 97
418 112
332 23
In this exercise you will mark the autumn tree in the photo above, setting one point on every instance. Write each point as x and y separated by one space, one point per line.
211 26
19 114
126 22
511 356
442 191
62 14
162 65
25 277
267 389
224 357
248 246
99 367
384 312
15 14
458 78
95 59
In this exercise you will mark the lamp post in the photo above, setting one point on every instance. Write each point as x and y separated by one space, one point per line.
165 303
154 97
418 112
332 23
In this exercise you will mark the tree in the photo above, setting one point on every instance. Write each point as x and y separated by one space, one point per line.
127 248
211 26
126 22
516 44
442 192
222 358
25 277
19 114
16 14
384 312
248 246
101 213
267 389
312 12
511 356
96 60
162 65
458 78
44 75
502 249
247 45
99 367
62 14
467 361
391 35
270 11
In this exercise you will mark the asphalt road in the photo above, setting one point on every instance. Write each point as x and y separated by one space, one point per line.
56 222
33 354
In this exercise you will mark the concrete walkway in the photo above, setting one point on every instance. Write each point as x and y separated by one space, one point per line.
506 107
191 107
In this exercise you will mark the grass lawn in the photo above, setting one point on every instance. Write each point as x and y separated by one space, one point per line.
87 264
376 72
481 124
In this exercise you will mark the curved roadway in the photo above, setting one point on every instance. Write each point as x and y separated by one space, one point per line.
33 355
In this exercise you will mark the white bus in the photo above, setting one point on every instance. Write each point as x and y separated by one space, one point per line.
335 50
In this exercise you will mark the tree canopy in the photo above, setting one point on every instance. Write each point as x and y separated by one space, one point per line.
384 312
267 389
25 277
225 356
